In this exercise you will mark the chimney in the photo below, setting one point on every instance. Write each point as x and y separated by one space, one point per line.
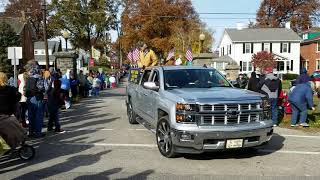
240 26
288 25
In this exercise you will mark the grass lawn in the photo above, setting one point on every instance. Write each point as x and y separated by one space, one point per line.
286 84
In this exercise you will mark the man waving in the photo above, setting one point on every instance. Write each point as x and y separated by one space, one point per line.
147 57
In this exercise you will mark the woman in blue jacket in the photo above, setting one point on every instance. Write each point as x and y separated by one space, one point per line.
301 98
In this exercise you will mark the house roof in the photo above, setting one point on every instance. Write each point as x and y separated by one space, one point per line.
263 35
52 45
15 23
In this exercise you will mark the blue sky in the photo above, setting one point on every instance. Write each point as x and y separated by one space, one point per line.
225 6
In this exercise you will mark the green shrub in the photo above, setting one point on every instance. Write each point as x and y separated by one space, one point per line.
289 76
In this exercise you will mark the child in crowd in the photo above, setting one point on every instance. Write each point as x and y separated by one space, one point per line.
96 84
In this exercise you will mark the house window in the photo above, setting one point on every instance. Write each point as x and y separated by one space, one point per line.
285 47
266 47
289 66
244 66
240 63
230 49
35 52
42 52
318 64
250 66
248 48
280 66
318 46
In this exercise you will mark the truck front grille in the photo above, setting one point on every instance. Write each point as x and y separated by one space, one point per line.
227 120
230 114
225 107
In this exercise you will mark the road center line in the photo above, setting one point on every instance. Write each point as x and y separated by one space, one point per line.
299 136
88 129
154 146
289 152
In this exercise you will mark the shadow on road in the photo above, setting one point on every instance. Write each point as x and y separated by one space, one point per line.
275 144
83 115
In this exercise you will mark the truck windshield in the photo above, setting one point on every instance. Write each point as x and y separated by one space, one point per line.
194 78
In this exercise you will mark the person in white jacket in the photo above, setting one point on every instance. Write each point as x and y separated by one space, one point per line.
23 101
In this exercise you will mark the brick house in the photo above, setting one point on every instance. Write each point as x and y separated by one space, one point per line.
310 54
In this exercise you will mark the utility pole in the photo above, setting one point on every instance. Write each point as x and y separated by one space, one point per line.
45 39
119 41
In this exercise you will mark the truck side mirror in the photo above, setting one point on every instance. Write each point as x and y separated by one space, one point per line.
151 86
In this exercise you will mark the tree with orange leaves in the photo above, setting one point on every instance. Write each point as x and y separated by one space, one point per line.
162 24
301 13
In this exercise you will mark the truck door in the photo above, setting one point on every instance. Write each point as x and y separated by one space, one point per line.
151 97
142 92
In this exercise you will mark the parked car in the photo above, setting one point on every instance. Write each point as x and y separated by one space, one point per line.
195 109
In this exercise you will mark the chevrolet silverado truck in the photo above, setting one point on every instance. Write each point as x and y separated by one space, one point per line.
195 109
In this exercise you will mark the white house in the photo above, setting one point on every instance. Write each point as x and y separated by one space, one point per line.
241 43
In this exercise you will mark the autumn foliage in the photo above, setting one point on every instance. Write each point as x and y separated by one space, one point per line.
162 24
301 13
263 60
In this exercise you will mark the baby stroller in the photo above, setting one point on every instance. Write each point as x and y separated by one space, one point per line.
13 138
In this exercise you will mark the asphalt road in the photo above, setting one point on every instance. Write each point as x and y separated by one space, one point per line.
101 144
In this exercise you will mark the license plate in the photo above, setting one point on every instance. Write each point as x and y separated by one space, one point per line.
234 143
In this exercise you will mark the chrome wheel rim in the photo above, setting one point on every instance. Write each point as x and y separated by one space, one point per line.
130 112
163 138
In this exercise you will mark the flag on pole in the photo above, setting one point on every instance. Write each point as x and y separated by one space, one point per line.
189 55
170 54
129 56
135 55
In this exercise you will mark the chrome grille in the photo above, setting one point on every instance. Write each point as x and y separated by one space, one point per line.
219 114
221 119
224 107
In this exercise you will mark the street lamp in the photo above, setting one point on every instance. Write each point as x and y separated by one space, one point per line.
202 37
66 36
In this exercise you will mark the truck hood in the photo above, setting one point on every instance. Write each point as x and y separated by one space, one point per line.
213 95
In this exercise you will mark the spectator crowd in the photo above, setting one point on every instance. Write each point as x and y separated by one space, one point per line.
299 97
41 94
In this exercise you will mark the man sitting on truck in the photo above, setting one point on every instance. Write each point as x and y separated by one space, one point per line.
147 57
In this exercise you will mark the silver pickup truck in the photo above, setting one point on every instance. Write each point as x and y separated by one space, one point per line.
195 109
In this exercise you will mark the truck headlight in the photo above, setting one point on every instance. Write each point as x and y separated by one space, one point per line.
265 104
185 107
266 107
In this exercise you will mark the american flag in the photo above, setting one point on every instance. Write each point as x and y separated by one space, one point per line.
129 56
136 55
170 54
189 55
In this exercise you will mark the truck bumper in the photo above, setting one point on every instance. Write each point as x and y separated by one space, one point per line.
198 142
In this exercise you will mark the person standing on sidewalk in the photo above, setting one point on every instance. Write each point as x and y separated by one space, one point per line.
55 102
253 82
271 86
23 101
35 93
82 84
301 98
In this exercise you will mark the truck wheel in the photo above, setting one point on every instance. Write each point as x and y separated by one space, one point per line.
132 116
164 140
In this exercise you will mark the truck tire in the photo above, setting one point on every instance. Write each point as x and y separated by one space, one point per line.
163 137
132 116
